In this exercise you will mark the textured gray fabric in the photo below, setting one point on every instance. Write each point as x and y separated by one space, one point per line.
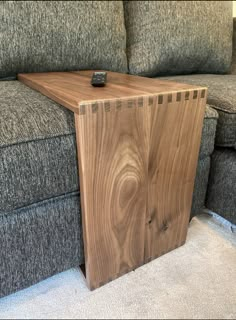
200 186
38 241
226 128
37 147
38 150
37 170
39 36
210 113
221 96
221 194
27 115
233 65
178 37
208 132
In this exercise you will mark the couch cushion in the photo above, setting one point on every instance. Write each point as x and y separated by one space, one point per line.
39 36
37 147
208 132
178 37
200 186
221 194
222 96
38 241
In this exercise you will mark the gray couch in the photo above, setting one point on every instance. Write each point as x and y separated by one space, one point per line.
40 219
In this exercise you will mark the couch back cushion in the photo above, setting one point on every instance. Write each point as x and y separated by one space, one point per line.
40 36
178 37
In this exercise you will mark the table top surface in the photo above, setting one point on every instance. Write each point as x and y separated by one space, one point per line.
73 88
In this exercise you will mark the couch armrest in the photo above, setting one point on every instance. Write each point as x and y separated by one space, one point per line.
233 65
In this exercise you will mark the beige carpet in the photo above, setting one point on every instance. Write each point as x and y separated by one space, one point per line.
197 280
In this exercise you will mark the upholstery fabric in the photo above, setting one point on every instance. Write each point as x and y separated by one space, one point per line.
38 150
178 37
222 96
37 147
37 170
233 65
221 194
208 132
27 115
39 241
226 128
203 167
200 186
40 36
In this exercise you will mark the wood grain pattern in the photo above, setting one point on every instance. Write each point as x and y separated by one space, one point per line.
113 163
175 134
138 141
71 89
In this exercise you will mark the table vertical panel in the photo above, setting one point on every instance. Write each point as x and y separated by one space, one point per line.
175 134
112 140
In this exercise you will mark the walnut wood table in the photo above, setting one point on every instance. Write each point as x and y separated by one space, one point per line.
138 142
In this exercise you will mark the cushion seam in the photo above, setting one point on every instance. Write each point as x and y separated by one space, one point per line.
36 140
40 202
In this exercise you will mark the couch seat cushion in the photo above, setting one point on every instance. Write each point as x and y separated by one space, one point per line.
222 96
221 194
37 147
38 241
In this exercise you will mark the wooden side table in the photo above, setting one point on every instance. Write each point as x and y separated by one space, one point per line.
138 142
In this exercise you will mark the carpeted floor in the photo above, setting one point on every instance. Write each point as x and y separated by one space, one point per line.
197 280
